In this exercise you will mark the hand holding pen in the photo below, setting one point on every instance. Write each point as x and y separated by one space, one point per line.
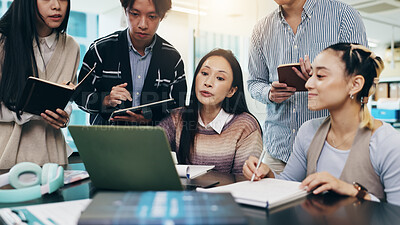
258 164
254 169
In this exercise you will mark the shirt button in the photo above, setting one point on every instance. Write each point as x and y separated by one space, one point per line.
137 93
139 76
294 110
294 131
295 46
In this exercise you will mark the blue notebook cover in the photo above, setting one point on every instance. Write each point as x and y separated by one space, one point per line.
167 207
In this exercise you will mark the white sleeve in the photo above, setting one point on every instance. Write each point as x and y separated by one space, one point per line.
7 115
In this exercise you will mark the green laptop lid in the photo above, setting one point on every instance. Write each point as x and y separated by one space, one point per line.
135 158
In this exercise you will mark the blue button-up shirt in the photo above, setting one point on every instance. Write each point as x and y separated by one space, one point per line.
139 66
323 23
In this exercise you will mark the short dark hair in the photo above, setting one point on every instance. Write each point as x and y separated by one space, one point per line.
162 6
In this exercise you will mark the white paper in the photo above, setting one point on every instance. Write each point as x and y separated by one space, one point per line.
264 193
192 171
66 213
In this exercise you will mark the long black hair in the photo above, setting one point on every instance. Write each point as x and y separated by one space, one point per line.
18 31
234 105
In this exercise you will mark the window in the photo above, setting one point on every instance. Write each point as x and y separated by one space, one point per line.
77 24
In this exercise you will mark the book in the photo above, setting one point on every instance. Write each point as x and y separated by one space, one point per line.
164 207
192 171
288 76
71 176
143 109
266 193
39 95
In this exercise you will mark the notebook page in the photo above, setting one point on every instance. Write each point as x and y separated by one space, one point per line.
266 192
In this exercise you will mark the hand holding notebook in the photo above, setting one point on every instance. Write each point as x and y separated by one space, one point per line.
288 76
40 95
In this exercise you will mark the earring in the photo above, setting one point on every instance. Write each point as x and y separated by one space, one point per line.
351 96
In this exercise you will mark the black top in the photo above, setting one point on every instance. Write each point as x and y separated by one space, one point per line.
165 76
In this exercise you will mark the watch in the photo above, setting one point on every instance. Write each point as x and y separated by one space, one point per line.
362 191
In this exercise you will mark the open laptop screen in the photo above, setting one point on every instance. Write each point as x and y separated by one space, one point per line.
135 158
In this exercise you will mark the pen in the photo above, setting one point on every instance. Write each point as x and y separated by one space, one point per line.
188 172
258 164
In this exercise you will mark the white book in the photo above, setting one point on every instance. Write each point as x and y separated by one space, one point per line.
66 213
266 193
192 171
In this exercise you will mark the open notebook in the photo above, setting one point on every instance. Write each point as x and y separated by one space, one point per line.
266 193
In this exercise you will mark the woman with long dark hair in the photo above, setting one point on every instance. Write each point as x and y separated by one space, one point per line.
216 128
33 42
348 152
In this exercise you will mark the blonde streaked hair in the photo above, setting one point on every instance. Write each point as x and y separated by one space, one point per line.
359 60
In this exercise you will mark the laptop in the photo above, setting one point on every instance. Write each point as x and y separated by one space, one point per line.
122 158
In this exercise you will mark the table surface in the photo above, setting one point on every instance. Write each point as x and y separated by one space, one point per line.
329 208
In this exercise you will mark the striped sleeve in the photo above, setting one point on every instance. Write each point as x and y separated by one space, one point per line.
258 82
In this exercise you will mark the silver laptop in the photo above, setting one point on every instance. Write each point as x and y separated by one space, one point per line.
136 158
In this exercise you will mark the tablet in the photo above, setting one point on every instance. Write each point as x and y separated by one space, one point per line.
287 75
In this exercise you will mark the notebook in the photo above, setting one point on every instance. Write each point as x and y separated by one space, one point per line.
287 75
146 108
135 158
165 207
192 171
39 94
267 193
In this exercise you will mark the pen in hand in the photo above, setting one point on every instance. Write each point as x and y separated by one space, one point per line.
258 164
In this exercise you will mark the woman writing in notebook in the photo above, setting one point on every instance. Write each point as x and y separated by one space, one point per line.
33 42
349 149
216 128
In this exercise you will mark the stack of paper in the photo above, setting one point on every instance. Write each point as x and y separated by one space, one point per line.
66 213
267 193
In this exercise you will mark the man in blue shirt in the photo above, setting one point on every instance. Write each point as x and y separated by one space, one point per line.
133 67
297 29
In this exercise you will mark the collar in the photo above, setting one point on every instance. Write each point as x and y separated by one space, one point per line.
219 121
307 8
49 40
146 50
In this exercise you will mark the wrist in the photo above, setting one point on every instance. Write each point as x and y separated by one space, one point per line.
360 191
270 174
106 101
